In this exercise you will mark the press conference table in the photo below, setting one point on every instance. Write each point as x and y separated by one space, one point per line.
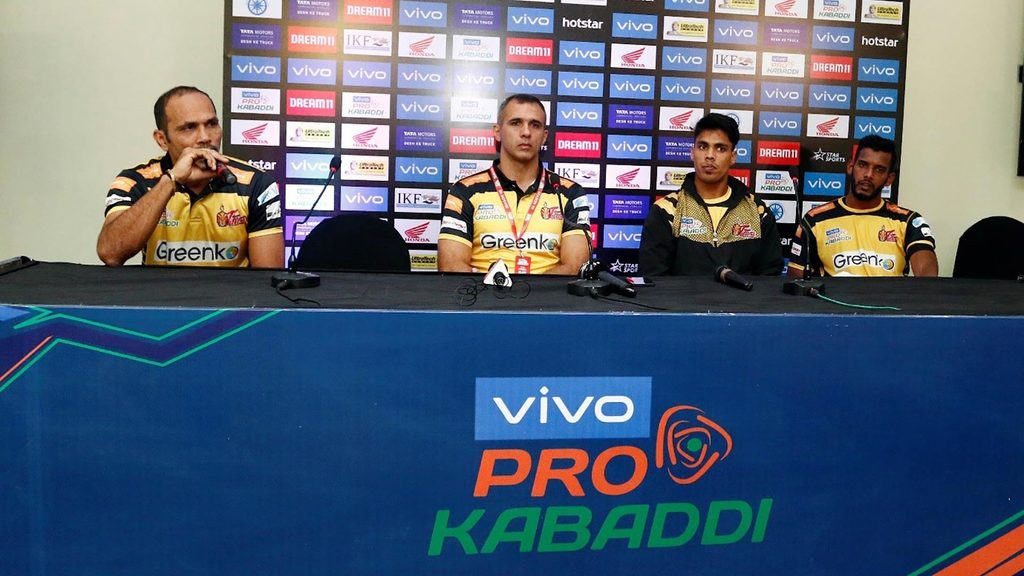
186 421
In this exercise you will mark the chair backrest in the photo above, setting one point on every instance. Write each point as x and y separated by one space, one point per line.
359 242
992 247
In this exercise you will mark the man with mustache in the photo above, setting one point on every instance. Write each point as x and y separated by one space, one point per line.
862 234
194 206
713 220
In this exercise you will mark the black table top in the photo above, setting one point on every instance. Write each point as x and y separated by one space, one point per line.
63 284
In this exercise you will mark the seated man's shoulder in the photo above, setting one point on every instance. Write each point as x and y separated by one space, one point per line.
823 208
149 169
477 179
896 210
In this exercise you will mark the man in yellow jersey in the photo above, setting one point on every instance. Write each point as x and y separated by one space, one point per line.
862 234
713 220
193 206
532 219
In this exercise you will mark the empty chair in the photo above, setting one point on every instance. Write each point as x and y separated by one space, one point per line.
361 242
992 247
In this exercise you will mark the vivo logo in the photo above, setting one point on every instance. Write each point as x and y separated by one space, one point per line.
627 86
262 70
830 38
878 100
308 71
574 114
582 54
417 76
731 32
872 128
782 124
684 59
734 92
423 15
679 89
776 94
623 236
474 79
628 147
421 108
823 184
631 26
416 170
830 97
307 166
529 82
363 74
364 200
540 21
875 70
576 83
607 409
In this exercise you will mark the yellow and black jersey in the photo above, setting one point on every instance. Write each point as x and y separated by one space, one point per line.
209 229
474 215
842 241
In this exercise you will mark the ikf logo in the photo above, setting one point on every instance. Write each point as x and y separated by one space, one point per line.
782 94
375 74
425 14
532 20
581 84
828 96
780 124
824 184
417 169
643 26
833 38
631 87
732 91
627 237
877 99
581 53
255 69
579 114
310 71
874 70
874 125
680 89
684 59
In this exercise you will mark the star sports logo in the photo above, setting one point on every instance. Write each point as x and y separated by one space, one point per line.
416 232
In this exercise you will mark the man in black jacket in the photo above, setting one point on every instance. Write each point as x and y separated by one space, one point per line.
713 219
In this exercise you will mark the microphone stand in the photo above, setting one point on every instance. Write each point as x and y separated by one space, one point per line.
293 278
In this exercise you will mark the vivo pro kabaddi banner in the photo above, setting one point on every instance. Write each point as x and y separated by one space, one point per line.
407 93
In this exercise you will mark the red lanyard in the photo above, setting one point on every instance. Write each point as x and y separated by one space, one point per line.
508 209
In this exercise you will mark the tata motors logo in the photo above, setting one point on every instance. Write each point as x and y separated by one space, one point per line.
256 36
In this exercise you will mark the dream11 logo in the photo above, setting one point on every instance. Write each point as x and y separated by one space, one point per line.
555 411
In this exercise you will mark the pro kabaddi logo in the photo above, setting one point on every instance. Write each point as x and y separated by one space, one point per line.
590 439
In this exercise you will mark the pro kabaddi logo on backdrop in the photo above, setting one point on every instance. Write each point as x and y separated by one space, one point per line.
545 416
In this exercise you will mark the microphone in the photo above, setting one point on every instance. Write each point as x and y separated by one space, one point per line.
291 278
727 276
618 284
805 286
225 174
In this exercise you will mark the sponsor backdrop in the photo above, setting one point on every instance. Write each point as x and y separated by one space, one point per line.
407 92
147 441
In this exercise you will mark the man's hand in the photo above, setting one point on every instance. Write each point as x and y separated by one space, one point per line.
196 166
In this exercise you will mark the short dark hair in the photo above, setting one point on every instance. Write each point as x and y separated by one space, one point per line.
716 121
160 108
879 144
520 99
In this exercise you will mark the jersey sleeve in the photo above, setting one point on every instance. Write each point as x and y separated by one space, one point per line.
457 216
657 244
124 191
576 212
919 235
264 206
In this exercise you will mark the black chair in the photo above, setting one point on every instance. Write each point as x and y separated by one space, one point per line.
992 247
358 242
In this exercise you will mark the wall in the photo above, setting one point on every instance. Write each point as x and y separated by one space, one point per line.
78 86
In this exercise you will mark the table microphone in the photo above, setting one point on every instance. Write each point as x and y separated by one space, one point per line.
291 278
727 276
225 174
